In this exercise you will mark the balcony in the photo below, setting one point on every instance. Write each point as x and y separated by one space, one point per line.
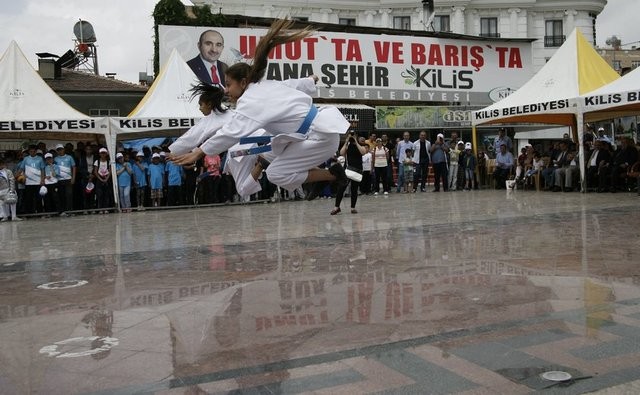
554 41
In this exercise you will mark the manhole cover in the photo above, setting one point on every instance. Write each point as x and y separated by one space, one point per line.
63 284
93 344
556 375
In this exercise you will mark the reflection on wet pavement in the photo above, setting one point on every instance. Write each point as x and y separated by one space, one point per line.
472 292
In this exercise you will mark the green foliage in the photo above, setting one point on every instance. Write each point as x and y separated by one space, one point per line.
173 12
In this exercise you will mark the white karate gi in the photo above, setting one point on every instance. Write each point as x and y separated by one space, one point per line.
280 108
200 132
240 167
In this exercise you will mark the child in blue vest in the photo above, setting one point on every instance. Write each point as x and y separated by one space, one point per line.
156 179
124 173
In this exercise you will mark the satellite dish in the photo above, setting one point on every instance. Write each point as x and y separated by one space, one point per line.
84 32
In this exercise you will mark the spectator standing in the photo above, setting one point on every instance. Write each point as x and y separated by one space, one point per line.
84 175
502 139
124 174
408 171
213 178
175 176
439 151
380 161
390 145
421 148
51 174
140 179
156 179
66 179
469 166
32 167
365 185
353 152
7 188
401 150
454 163
102 177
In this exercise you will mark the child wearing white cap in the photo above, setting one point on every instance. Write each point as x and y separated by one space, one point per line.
51 174
469 166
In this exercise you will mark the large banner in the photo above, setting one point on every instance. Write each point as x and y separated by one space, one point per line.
421 117
375 67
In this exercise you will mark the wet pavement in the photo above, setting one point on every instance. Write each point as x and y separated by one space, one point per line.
430 293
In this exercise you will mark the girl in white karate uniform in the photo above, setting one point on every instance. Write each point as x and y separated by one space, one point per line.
240 167
304 136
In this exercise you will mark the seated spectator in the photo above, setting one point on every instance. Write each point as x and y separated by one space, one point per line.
565 175
598 157
610 173
559 160
536 167
504 165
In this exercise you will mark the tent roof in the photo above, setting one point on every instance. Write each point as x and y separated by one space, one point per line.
576 68
617 99
25 95
169 95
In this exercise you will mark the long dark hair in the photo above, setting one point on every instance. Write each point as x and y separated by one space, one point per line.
274 37
211 94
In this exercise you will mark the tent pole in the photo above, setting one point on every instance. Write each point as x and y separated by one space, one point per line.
111 146
579 130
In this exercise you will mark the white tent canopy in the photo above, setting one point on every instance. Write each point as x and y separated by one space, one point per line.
30 107
166 108
575 69
618 99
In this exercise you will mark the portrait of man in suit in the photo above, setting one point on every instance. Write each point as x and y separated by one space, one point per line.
206 65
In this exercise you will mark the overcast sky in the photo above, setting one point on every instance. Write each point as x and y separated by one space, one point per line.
124 29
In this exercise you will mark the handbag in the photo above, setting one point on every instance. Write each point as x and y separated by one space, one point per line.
11 197
353 173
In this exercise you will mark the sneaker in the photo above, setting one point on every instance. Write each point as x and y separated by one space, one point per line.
423 190
17 219
63 214
375 194
4 219
386 193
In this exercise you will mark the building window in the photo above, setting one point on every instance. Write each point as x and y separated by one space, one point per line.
553 36
635 64
617 65
104 112
347 21
301 18
441 23
489 27
402 22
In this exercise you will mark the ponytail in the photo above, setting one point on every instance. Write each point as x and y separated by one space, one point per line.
274 37
211 94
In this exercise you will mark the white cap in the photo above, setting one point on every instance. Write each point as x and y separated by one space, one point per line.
600 129
39 151
140 153
48 155
119 155
162 153
467 146
440 135
59 146
101 150
460 142
156 155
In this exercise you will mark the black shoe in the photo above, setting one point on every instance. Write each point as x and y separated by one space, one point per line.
338 172
314 191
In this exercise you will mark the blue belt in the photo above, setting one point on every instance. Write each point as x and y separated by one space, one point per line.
303 129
